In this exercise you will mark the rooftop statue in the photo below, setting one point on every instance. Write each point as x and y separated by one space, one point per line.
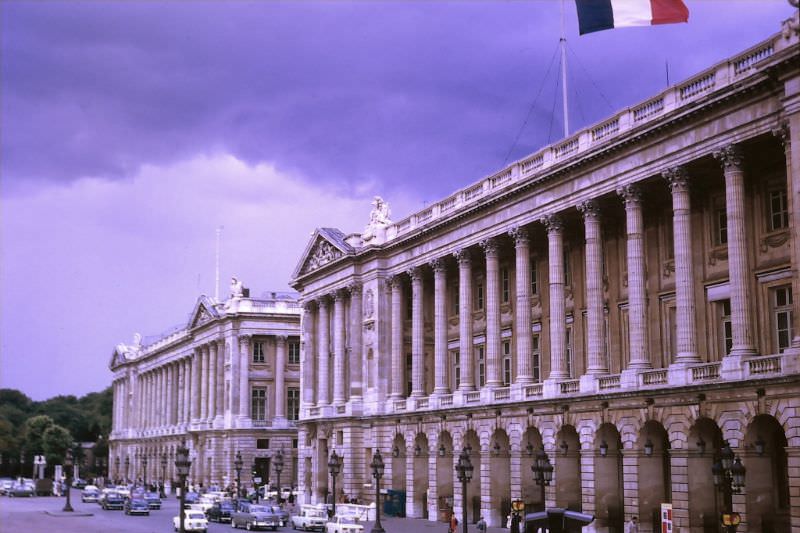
379 219
237 289
131 351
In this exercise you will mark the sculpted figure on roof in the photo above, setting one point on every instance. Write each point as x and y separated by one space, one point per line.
131 351
237 289
379 218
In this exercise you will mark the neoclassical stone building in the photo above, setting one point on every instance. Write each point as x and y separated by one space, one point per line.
623 298
226 381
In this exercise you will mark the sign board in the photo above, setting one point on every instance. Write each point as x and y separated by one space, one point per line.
666 518
257 479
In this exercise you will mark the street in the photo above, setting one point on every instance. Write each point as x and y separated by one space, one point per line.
30 515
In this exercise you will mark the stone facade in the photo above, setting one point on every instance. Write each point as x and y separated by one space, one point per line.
622 298
226 382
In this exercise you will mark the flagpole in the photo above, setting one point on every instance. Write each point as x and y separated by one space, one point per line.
563 42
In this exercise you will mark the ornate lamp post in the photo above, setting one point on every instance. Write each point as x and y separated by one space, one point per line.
68 466
254 475
163 474
377 472
182 464
464 470
334 467
144 470
116 468
127 468
728 474
278 465
237 466
542 473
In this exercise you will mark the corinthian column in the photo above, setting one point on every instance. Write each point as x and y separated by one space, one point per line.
356 342
212 381
440 326
465 319
307 362
244 376
280 370
168 403
396 386
738 268
522 319
637 296
558 319
417 333
220 402
686 320
597 360
323 352
338 347
490 249
204 383
187 389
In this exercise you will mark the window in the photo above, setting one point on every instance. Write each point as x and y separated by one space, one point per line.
480 355
506 363
294 443
455 357
720 225
778 210
782 317
262 444
479 295
534 278
293 403
725 327
258 409
258 351
409 364
568 334
536 356
294 352
506 285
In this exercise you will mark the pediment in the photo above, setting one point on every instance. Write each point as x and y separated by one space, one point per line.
204 311
325 246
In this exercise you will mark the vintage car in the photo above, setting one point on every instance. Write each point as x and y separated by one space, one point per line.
282 515
221 511
136 506
153 500
253 516
21 490
112 501
90 494
343 524
310 518
205 502
5 485
192 521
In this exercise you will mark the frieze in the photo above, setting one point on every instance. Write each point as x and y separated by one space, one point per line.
322 254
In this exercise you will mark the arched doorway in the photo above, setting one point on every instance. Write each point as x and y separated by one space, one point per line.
420 502
567 459
399 463
473 446
654 474
608 479
766 480
531 492
705 438
444 475
321 488
500 479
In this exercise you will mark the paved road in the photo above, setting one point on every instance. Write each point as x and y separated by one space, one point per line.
29 515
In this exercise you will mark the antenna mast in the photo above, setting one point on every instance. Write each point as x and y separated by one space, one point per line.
216 275
563 42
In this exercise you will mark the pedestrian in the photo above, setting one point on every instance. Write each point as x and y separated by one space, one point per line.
453 523
633 525
481 525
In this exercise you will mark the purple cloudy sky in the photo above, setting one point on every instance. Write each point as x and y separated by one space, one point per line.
131 130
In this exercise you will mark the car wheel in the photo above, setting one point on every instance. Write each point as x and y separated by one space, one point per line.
233 524
248 527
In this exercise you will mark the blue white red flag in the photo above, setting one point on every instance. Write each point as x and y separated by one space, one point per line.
597 15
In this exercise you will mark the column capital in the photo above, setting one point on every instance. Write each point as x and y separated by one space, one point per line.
589 209
244 338
415 273
781 131
309 305
281 339
394 281
730 157
677 178
323 301
631 194
339 295
438 264
355 288
490 246
553 222
519 234
463 256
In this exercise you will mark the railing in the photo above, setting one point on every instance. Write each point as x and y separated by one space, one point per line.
608 382
648 109
341 409
399 405
472 397
654 377
702 84
425 215
314 411
567 148
446 400
257 423
423 403
743 64
604 130
473 192
765 365
705 372
573 385
500 179
502 394
534 163
534 390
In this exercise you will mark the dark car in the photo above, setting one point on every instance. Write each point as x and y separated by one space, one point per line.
282 515
136 506
113 500
253 516
153 500
79 483
220 512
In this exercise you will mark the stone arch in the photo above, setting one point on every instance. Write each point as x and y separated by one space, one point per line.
472 444
767 479
654 472
499 478
609 509
419 507
532 442
787 412
705 437
398 454
444 473
566 459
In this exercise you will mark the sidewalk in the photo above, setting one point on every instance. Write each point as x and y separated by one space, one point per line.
414 525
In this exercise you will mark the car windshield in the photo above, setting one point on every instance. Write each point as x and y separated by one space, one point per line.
226 506
195 516
258 509
347 520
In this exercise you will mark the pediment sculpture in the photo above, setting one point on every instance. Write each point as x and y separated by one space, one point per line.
323 253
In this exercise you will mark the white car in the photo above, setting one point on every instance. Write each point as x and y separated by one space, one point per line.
343 524
309 519
204 503
192 521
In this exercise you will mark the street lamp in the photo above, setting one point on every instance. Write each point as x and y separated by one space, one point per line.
334 467
163 474
377 472
464 470
68 465
182 464
542 473
127 468
144 471
278 465
728 473
256 479
237 466
116 468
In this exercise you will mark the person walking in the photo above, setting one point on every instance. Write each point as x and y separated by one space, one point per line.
633 525
453 526
481 525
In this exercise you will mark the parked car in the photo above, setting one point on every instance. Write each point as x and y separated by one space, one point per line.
113 501
136 506
189 499
343 524
220 512
5 485
90 494
192 521
282 515
205 502
310 519
253 516
21 490
79 483
153 500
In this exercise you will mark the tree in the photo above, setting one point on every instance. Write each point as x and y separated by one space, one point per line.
33 433
56 441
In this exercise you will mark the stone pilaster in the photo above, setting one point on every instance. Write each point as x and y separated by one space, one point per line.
587 472
197 367
280 371
793 469
522 318
235 363
323 352
220 402
679 480
356 342
467 377
307 362
397 379
168 421
187 390
204 383
630 483
338 347
685 315
597 360
441 385
417 334
244 377
212 381
490 249
558 321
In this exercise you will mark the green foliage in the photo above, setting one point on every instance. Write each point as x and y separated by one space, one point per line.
55 442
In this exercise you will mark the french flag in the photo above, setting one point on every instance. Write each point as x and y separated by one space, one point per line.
597 15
